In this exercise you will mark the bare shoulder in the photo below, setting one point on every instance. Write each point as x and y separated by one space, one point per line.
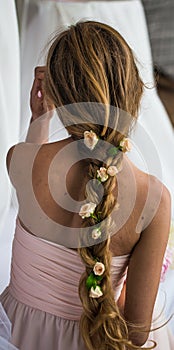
12 153
158 200
24 155
153 203
19 160
21 149
165 197
158 186
157 193
156 212
9 156
152 196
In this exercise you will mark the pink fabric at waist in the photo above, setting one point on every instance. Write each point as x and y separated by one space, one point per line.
46 276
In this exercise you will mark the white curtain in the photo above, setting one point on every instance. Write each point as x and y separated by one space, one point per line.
9 97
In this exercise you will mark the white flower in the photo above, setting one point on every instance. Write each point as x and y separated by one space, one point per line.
102 174
87 209
99 268
96 233
90 139
112 170
125 144
95 293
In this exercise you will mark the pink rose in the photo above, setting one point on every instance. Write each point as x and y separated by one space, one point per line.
96 233
112 170
99 269
125 145
87 209
90 139
102 174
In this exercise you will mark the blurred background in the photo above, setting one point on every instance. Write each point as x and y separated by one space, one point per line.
161 34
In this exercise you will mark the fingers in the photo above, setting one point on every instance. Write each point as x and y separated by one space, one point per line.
38 69
39 72
38 100
37 88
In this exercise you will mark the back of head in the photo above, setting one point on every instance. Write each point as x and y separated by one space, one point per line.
90 63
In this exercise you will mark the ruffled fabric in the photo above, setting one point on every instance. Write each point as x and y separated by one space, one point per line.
5 331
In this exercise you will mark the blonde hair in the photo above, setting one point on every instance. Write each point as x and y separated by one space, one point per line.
91 62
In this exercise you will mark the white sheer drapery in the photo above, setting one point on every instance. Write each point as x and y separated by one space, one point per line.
9 97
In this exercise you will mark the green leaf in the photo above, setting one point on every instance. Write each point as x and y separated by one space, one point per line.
113 151
93 216
91 281
99 179
99 278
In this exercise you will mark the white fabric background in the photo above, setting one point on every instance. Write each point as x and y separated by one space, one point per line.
9 96
40 19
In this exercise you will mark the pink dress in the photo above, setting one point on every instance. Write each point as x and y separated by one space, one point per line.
42 299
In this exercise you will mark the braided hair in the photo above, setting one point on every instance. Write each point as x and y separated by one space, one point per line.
90 63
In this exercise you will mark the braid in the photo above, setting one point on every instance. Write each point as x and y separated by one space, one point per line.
101 321
102 325
91 69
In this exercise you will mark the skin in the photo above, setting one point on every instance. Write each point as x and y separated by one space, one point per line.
146 243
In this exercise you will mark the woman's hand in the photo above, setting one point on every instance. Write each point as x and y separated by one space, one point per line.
42 110
39 104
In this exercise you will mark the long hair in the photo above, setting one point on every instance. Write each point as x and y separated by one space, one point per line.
91 62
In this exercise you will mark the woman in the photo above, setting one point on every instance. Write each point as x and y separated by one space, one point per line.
110 223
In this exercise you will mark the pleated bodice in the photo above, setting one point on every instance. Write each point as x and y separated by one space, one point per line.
46 276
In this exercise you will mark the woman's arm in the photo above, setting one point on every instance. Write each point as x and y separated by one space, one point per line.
42 112
38 131
145 269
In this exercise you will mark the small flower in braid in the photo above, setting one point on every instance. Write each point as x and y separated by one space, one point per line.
90 139
87 210
94 279
96 293
96 233
103 173
124 146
